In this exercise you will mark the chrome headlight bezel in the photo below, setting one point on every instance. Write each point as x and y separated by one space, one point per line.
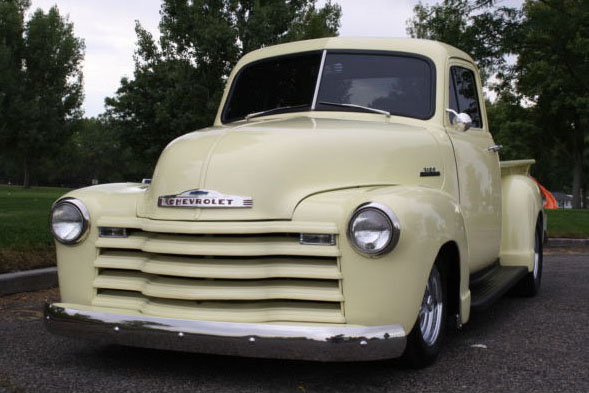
82 210
391 220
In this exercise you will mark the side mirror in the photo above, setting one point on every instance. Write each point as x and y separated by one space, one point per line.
461 121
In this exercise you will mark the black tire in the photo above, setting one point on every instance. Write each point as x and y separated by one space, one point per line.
424 341
530 284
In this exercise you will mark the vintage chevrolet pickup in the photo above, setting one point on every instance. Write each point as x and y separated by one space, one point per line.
347 203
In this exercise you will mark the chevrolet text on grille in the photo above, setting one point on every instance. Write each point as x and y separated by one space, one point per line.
207 199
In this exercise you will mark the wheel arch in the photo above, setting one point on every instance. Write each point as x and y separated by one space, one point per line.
449 260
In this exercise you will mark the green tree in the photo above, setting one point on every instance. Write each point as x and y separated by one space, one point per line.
550 43
552 71
178 82
92 152
44 92
12 107
477 27
263 23
93 141
521 132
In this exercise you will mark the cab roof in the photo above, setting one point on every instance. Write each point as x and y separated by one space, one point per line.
437 51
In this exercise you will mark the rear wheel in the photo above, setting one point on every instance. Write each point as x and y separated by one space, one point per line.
425 339
530 284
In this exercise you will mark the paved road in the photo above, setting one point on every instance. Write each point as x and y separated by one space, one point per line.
530 345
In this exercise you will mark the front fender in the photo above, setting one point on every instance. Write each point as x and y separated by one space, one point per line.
76 270
389 289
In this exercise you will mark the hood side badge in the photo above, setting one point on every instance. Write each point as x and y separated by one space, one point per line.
429 171
205 199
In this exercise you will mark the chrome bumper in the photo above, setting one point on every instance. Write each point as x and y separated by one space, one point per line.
319 343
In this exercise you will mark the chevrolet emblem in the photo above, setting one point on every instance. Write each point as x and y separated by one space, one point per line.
205 199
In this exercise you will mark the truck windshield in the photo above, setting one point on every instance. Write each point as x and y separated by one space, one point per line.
401 85
282 82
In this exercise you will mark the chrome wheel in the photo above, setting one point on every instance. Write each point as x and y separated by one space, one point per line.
432 307
425 339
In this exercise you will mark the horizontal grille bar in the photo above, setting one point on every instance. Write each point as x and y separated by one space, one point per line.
234 268
216 245
245 227
251 312
198 289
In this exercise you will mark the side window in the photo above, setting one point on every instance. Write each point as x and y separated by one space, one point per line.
464 96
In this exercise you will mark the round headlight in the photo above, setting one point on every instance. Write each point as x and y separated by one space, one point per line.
70 221
374 229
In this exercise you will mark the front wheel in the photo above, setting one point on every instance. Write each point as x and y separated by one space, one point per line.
425 339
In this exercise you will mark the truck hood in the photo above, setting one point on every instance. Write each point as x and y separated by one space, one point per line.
278 163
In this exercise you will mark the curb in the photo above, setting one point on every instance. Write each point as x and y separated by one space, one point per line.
28 281
564 242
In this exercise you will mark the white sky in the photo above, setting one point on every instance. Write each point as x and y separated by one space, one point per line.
107 27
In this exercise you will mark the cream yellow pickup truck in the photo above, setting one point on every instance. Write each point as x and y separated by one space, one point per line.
346 204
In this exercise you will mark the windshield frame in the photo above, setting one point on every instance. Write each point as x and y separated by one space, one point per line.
324 53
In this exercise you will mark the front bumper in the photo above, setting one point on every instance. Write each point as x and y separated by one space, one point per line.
319 343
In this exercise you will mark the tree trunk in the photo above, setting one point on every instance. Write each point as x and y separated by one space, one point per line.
27 180
578 149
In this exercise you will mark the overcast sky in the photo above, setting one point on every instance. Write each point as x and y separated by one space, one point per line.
107 27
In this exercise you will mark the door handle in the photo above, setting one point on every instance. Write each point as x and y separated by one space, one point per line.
494 148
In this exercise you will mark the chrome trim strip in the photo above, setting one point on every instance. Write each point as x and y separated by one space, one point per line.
219 227
331 241
318 80
109 232
319 343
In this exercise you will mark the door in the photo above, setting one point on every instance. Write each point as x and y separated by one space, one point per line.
479 174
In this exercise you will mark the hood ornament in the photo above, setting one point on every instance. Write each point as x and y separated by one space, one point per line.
205 199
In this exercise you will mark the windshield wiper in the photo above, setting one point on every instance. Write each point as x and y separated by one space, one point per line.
277 109
366 108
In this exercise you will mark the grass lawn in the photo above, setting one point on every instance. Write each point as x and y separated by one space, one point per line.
26 242
25 239
572 223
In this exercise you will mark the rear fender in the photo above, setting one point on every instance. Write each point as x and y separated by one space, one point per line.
522 207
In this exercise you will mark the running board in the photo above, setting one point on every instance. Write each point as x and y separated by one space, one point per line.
488 286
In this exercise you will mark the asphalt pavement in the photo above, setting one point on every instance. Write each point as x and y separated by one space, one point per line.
518 345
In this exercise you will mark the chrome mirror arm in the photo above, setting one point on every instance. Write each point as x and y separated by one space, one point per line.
462 121
452 111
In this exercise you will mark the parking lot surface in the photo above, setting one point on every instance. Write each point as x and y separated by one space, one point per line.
518 345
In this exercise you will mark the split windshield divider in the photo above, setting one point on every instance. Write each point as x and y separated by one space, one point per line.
318 84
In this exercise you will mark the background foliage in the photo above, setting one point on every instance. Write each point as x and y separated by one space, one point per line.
40 84
534 61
